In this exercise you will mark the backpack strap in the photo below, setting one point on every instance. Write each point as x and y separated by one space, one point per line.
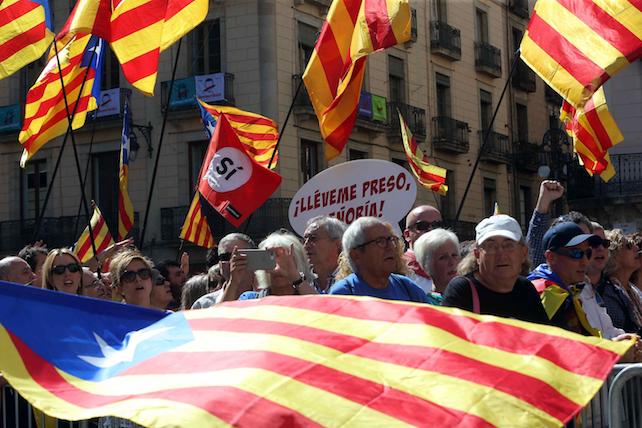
263 293
475 295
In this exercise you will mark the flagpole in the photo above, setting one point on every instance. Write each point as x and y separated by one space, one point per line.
58 160
84 181
486 136
160 145
73 140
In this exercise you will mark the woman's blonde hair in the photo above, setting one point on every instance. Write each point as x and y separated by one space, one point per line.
120 261
618 240
48 265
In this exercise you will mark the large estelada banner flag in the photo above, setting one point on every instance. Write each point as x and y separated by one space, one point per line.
231 180
294 361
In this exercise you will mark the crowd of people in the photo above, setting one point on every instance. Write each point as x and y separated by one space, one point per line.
567 272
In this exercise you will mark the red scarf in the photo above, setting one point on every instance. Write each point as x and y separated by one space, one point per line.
413 264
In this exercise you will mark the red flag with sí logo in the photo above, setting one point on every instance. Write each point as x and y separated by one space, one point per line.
231 181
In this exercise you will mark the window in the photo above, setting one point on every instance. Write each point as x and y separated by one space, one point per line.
449 201
439 11
396 80
485 108
481 27
525 207
34 187
357 154
105 185
521 113
307 40
490 196
517 38
197 150
205 52
443 95
309 159
110 77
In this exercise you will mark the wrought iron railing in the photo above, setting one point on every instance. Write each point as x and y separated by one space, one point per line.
497 148
488 59
445 40
415 118
450 134
523 77
626 182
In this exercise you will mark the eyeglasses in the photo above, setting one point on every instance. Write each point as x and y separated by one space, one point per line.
71 267
160 280
224 257
491 247
604 243
382 242
425 226
575 253
130 275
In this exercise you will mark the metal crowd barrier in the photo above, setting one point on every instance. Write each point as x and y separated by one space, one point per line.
618 404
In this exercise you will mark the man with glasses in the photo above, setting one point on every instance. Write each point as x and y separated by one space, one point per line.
373 253
561 280
322 243
420 220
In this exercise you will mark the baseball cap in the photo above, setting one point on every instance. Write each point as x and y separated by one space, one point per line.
498 225
567 234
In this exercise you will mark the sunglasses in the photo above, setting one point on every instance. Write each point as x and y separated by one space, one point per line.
130 275
605 243
425 226
224 257
575 254
71 267
160 280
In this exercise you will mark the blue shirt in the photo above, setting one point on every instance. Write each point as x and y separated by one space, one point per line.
399 288
536 230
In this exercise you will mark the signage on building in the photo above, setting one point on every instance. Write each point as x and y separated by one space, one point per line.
365 187
183 93
210 87
10 118
109 103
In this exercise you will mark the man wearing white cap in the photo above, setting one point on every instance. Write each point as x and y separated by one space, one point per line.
492 284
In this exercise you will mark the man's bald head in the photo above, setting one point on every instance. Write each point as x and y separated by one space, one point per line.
419 221
14 269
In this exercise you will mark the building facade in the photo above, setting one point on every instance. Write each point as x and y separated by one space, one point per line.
446 81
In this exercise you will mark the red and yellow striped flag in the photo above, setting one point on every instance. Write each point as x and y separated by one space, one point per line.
259 134
102 237
593 131
334 75
195 228
304 361
430 176
142 29
577 45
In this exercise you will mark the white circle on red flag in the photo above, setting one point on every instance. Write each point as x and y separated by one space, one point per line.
229 169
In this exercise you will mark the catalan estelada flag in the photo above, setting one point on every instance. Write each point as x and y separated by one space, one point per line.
294 361
259 134
594 131
25 33
577 45
430 176
195 228
45 112
334 75
102 237
125 207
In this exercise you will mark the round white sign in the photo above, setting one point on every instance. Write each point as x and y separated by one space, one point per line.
365 187
228 170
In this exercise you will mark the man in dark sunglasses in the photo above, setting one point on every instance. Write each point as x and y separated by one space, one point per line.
420 220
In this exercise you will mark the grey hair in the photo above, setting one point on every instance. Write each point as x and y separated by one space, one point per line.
430 242
235 237
596 226
355 236
285 240
332 225
5 266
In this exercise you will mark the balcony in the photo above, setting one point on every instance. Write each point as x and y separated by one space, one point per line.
552 97
216 88
626 186
415 118
519 8
488 59
497 148
445 40
449 134
10 119
268 218
523 77
526 156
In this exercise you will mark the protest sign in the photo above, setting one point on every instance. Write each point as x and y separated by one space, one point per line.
365 187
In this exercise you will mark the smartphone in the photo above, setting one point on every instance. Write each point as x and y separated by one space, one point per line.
259 259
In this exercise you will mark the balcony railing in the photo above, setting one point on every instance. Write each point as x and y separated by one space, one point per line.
497 148
415 118
488 59
272 215
450 134
445 40
552 97
519 8
626 183
217 88
523 77
526 155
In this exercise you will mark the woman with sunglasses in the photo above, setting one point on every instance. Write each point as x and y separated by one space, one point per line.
131 274
62 271
161 295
